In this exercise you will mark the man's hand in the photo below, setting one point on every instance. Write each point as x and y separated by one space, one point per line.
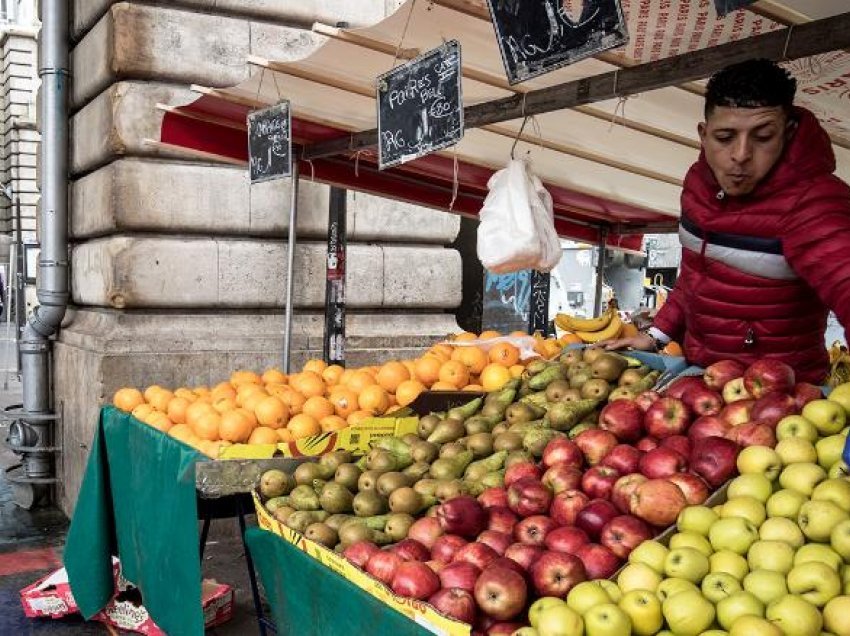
641 342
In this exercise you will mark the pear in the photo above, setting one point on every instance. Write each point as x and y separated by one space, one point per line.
336 498
424 451
303 497
332 460
507 441
608 366
481 444
417 471
323 534
388 482
448 430
347 475
398 524
451 468
426 425
275 483
369 504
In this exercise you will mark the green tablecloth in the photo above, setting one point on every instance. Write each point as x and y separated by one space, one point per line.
138 502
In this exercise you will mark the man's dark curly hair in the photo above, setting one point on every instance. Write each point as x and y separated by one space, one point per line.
751 84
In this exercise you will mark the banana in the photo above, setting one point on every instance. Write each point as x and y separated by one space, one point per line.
575 324
611 331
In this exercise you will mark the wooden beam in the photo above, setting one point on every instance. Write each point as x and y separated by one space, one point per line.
191 152
312 76
813 38
218 121
227 96
357 39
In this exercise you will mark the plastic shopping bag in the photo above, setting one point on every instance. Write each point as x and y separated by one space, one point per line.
550 244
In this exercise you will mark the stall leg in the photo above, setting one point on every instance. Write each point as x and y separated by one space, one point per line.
290 271
263 623
205 530
600 270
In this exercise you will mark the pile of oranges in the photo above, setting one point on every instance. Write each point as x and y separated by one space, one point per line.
273 407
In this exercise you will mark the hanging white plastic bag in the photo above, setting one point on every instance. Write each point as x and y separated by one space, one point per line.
544 221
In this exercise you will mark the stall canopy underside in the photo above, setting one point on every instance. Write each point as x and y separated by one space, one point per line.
613 166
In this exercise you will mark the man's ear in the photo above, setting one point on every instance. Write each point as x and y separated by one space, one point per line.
701 131
791 129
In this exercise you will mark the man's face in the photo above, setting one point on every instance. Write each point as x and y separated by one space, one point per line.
742 145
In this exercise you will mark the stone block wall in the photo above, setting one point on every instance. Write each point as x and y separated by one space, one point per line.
178 266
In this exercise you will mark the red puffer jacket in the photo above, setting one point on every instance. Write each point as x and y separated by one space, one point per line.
759 273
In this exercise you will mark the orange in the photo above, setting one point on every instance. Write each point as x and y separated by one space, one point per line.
272 412
248 415
151 391
504 353
207 425
195 410
551 348
243 376
277 389
495 376
410 366
142 411
235 427
308 383
344 401
224 404
246 391
214 448
374 399
570 338
176 409
223 389
303 426
490 333
519 333
473 387
127 399
345 376
454 373
357 417
673 348
443 386
250 404
318 407
183 392
293 400
464 336
159 420
516 370
263 435
427 369
332 423
408 391
315 365
442 351
629 331
473 358
273 376
391 374
201 390
332 374
183 432
359 380
284 434
160 399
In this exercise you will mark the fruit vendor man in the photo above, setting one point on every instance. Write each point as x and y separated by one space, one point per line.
765 231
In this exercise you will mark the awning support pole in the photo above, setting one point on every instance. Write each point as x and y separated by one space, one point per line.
290 270
600 269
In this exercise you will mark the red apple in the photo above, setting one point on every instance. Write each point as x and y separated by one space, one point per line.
561 477
454 602
658 502
703 401
599 481
411 550
501 593
734 391
623 534
768 374
707 426
678 387
662 462
478 554
528 496
494 497
717 375
623 488
436 566
459 574
556 573
522 470
692 486
805 393
714 459
623 458
426 531
360 552
645 399
738 412
678 443
499 541
646 444
566 505
524 554
772 407
383 565
505 562
595 444
446 547
593 517
501 520
599 562
505 629
668 416
463 516
562 451
566 539
415 580
755 433
624 419
533 530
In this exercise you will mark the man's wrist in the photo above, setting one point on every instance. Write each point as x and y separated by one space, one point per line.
658 338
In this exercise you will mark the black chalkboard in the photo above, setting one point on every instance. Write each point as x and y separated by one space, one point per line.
538 36
727 6
507 299
270 143
420 106
539 303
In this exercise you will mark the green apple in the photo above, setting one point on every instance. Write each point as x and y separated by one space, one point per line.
673 587
760 460
688 613
818 553
714 632
839 539
841 395
835 490
718 585
766 585
728 562
828 416
686 563
585 595
814 582
697 519
795 450
802 477
794 616
541 605
691 540
748 508
754 626
606 620
559 620
652 553
782 529
829 450
835 616
644 610
785 503
526 631
638 576
614 592
845 579
796 426
839 470
818 518
739 604
733 533
750 485
771 555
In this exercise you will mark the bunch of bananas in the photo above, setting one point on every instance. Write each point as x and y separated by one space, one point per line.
605 327
839 360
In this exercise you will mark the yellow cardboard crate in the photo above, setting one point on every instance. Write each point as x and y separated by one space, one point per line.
418 611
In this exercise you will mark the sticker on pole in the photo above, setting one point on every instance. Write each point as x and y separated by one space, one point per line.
270 143
539 36
420 106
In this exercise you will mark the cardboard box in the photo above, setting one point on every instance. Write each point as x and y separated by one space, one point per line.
51 597
418 611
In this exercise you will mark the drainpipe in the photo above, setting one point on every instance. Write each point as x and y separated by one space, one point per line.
34 433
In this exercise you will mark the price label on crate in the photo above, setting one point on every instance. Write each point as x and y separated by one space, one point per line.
270 143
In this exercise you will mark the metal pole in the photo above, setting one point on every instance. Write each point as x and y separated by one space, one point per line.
600 269
333 349
20 285
290 269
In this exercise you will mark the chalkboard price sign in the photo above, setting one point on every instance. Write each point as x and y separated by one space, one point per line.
420 106
538 36
270 143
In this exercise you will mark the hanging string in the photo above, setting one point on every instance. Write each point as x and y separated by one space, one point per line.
357 163
403 34
277 88
455 183
522 127
260 85
787 42
312 169
619 108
